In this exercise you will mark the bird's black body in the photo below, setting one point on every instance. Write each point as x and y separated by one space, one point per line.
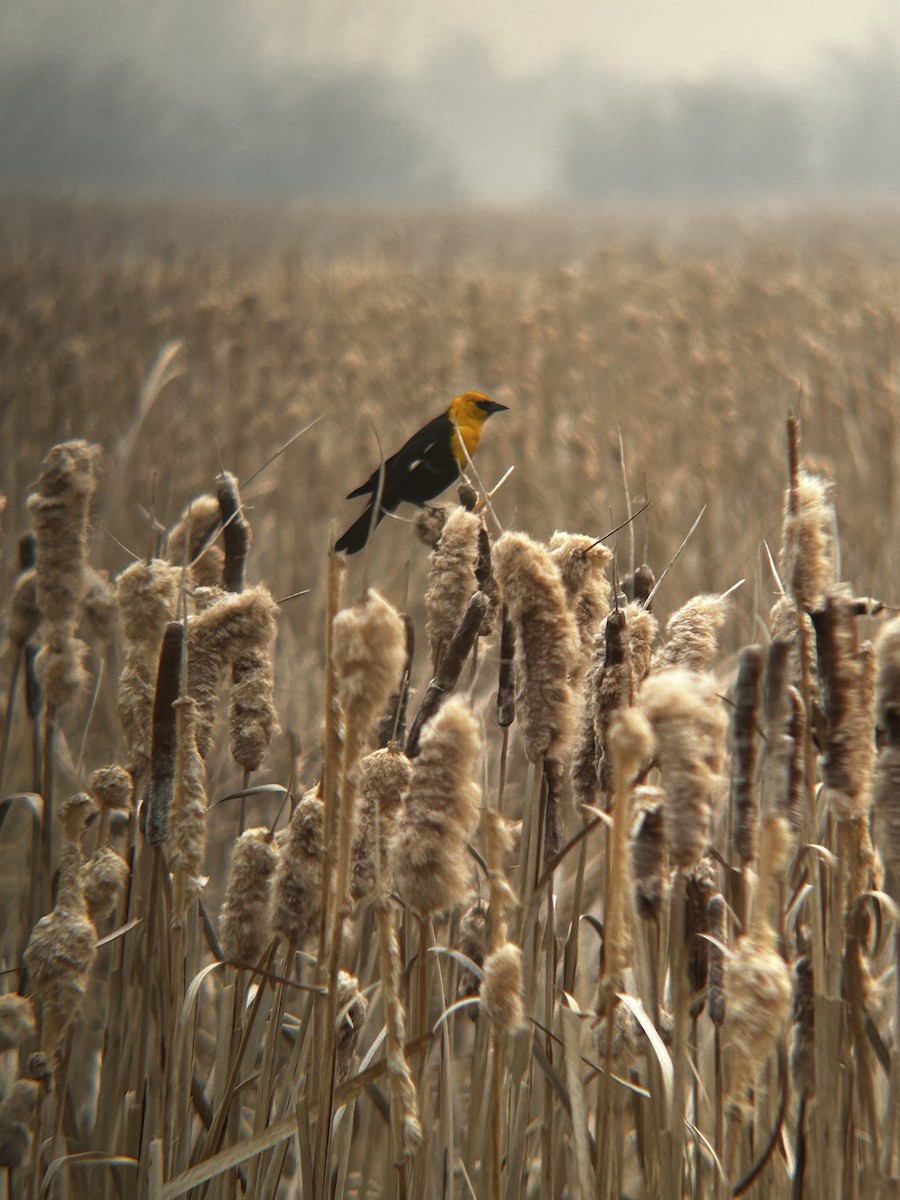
421 469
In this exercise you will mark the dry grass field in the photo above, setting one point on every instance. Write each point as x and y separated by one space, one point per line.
617 917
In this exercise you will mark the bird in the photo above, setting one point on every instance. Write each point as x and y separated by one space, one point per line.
424 466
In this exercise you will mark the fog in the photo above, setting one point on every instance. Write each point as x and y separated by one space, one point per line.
498 103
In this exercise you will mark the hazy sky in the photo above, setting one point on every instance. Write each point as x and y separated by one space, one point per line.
648 38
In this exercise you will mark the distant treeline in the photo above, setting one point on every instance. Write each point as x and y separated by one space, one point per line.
459 129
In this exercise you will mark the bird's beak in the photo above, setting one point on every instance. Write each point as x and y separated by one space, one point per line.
493 406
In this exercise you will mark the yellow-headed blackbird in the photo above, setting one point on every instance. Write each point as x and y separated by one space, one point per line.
422 468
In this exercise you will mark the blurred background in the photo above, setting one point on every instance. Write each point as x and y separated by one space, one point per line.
472 102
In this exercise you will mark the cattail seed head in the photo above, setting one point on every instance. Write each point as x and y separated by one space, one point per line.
17 1021
187 816
428 853
757 1005
235 625
692 634
18 1120
24 614
195 529
148 598
112 787
352 1009
298 879
689 723
99 610
244 923
649 864
369 648
473 943
806 561
501 991
803 1046
547 644
582 562
252 715
384 777
60 512
103 879
452 577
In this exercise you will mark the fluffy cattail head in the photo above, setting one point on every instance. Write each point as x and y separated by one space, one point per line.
383 779
233 626
428 853
17 1021
582 562
112 787
297 905
369 658
24 614
689 723
60 510
807 546
352 1009
452 577
103 878
244 924
18 1120
196 528
886 777
692 634
649 862
547 644
187 816
501 991
757 1006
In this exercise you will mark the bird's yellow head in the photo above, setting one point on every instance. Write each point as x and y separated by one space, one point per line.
468 413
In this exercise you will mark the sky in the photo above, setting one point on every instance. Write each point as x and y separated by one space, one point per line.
647 39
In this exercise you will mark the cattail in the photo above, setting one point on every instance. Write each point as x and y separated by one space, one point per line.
99 610
63 945
848 685
298 884
700 887
235 532
648 855
757 1006
60 512
252 714
187 816
369 657
473 943
886 777
745 741
692 634
17 1021
582 562
428 853
18 1120
24 614
244 923
352 1009
630 747
192 536
501 991
112 787
547 644
806 560
383 778
506 684
689 723
393 723
164 736
803 1046
234 626
452 578
103 879
148 597
429 523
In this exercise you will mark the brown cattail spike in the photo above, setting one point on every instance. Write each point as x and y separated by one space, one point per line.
244 924
428 853
298 884
744 738
547 644
689 723
164 745
235 532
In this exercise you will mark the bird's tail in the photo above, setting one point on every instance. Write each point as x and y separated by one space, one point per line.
354 538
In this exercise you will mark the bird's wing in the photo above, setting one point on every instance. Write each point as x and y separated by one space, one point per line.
412 454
